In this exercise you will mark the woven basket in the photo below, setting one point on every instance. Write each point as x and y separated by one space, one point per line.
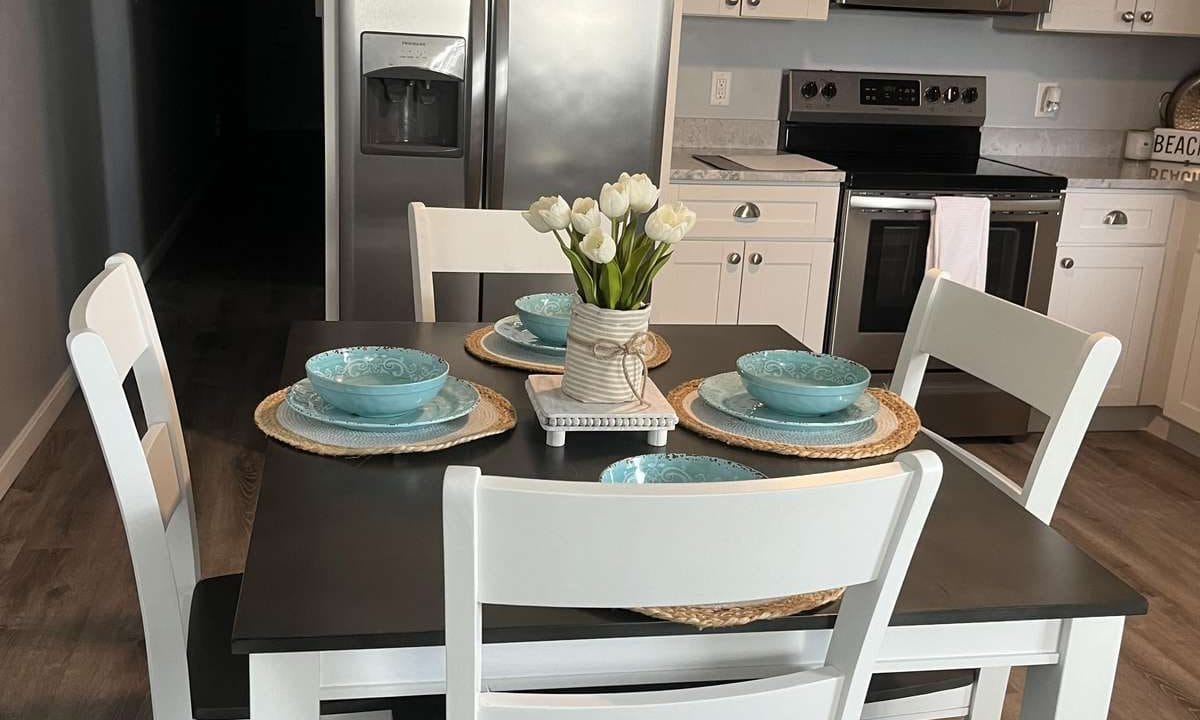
712 616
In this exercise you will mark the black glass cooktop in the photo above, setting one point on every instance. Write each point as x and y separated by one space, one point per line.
938 172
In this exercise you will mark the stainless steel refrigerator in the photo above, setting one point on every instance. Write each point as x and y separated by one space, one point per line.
476 103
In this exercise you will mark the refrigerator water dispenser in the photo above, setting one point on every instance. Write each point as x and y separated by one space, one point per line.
413 95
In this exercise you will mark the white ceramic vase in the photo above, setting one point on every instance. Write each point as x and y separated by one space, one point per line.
598 369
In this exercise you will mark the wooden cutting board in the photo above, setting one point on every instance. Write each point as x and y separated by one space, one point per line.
779 163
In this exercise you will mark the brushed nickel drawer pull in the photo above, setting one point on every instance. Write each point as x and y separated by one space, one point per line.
747 211
1116 217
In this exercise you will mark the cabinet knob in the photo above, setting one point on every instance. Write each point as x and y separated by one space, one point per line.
756 259
1067 263
1128 16
732 3
1116 217
755 3
747 211
734 258
1148 17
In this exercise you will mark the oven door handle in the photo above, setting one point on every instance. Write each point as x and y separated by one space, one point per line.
873 202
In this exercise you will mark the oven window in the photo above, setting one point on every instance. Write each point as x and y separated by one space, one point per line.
896 251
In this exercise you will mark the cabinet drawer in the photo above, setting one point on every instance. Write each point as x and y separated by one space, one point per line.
1134 218
804 212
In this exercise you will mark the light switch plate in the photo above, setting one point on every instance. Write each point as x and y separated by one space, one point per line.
722 87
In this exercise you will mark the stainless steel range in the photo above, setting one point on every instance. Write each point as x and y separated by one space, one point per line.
903 139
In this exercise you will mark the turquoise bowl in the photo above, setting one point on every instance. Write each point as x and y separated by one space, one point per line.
798 382
375 381
547 315
676 468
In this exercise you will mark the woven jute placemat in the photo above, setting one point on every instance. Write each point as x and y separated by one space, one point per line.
486 345
712 616
891 430
493 415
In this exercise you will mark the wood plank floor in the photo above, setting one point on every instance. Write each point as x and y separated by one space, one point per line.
70 632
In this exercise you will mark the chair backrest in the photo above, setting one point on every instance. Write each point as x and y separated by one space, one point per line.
1058 369
112 332
474 241
543 543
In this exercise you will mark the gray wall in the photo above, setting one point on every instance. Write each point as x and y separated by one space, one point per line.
1109 82
52 217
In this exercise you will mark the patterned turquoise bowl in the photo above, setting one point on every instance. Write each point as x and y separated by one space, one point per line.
547 315
676 468
376 381
802 383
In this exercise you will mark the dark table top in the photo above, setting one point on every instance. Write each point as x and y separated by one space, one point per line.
346 553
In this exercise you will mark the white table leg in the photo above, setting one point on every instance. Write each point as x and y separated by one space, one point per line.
657 438
1079 686
285 686
987 698
556 438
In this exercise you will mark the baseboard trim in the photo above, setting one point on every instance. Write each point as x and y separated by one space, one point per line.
155 257
1176 434
27 441
1109 419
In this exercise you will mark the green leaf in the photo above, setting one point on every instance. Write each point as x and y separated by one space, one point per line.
644 288
610 283
583 279
629 276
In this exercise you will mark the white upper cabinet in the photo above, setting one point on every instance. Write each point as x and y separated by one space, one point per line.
1151 17
760 9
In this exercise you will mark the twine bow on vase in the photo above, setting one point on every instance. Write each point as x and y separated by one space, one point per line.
641 347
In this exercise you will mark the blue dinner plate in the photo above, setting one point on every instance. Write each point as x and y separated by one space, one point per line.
513 330
726 392
456 399
676 468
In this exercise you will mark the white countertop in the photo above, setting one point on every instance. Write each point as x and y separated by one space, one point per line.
1114 173
686 168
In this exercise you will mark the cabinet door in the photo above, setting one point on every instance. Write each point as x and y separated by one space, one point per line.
1172 17
786 9
1113 289
1183 391
700 284
786 283
1089 16
712 7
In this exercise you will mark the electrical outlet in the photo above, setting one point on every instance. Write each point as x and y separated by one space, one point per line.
1049 100
722 86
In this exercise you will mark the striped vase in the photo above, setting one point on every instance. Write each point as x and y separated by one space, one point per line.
590 378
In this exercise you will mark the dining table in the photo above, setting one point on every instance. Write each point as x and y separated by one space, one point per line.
342 595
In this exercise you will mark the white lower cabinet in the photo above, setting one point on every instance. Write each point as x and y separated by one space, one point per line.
763 282
1183 390
700 285
787 284
1114 289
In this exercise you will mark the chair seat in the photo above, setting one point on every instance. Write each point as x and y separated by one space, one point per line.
220 680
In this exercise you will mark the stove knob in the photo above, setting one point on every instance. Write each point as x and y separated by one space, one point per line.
829 92
970 95
933 94
951 94
809 90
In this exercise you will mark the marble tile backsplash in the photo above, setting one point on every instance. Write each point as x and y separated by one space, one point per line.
735 133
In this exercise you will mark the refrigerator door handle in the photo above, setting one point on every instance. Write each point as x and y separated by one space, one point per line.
477 110
497 105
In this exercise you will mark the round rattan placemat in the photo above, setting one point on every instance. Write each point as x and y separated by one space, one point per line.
711 616
892 429
486 345
493 415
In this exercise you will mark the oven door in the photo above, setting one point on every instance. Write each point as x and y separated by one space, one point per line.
882 263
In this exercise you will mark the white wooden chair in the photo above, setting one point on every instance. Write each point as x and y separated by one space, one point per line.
474 241
1053 367
513 541
187 622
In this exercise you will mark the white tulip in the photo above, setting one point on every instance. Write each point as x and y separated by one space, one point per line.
598 246
585 215
614 200
670 223
642 192
548 213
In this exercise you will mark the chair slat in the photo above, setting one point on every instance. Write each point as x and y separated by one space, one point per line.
156 443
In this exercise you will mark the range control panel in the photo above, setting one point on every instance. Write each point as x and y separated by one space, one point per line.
831 95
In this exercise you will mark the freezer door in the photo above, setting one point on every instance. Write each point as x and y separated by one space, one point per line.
578 95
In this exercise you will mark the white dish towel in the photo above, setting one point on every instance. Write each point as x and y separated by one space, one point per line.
958 238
